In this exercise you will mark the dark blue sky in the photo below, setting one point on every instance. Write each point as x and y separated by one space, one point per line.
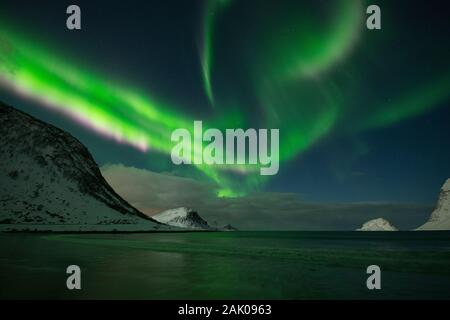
405 161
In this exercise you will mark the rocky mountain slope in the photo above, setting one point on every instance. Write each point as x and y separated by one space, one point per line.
378 224
440 217
49 181
182 217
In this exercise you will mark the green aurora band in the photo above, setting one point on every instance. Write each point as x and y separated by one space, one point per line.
212 9
125 115
290 82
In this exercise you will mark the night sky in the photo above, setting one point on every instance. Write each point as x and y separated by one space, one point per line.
363 114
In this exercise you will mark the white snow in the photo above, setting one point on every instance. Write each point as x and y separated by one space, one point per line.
446 186
440 217
378 224
49 181
182 217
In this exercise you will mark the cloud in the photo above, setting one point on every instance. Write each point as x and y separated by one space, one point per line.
153 192
150 191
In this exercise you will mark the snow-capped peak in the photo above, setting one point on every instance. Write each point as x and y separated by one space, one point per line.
440 217
50 181
182 217
446 186
378 224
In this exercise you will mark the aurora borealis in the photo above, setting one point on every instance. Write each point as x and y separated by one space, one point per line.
308 68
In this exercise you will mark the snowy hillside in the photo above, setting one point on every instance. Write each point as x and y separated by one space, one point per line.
49 181
440 217
379 224
183 218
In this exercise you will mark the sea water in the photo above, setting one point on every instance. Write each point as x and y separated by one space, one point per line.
226 265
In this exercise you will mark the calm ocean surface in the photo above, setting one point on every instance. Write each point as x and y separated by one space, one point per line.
227 265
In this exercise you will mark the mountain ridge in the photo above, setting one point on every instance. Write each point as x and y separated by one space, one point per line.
378 224
49 177
182 217
440 217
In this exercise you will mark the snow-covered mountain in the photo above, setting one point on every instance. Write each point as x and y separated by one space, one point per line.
440 217
378 224
182 217
49 181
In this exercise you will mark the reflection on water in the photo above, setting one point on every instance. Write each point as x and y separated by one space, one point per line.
229 265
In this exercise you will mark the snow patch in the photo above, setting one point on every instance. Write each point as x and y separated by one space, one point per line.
378 224
440 217
49 179
182 217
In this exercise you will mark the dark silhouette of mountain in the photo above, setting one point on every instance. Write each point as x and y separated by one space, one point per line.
229 227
